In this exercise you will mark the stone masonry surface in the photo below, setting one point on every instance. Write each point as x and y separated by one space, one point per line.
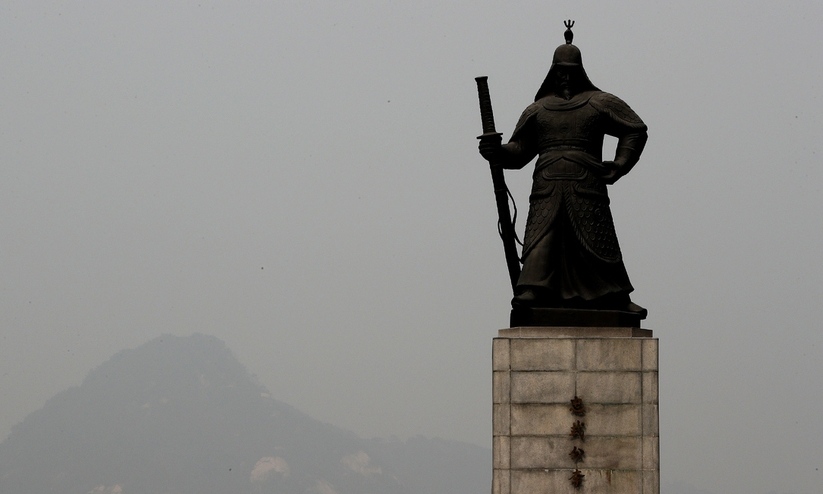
535 377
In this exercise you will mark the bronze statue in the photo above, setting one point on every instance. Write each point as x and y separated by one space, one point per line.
571 257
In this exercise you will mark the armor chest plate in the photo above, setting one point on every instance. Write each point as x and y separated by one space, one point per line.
580 128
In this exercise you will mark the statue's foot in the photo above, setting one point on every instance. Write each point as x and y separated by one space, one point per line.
640 311
624 303
534 298
526 298
620 302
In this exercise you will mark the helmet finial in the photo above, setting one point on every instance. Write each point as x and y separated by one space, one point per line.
568 34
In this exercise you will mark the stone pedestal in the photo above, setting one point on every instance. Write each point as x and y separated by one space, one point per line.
537 374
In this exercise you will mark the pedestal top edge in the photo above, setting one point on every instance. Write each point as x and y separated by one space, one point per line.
574 332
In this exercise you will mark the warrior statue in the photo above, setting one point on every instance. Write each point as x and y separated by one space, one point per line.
571 258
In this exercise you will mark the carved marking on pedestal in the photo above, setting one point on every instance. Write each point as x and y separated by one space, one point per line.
577 455
578 409
578 433
577 479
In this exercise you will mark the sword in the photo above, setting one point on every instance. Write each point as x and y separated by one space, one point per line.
501 192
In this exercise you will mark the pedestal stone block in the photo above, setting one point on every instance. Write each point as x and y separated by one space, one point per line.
541 387
615 420
541 444
542 420
542 354
609 387
557 481
609 354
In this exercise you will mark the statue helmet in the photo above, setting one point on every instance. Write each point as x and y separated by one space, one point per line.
566 55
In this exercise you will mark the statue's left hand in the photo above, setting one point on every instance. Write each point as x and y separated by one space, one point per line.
611 172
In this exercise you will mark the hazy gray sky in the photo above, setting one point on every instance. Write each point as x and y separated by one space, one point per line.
301 180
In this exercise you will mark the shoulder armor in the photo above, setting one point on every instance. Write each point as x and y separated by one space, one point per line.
617 109
524 117
529 111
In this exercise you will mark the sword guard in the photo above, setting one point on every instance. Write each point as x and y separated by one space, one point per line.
490 134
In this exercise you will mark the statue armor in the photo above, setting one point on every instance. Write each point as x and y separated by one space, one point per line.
570 247
568 137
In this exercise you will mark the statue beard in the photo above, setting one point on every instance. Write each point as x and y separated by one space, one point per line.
564 89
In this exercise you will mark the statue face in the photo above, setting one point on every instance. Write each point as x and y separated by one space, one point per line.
563 81
562 77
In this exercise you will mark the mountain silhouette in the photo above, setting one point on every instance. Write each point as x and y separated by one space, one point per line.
180 415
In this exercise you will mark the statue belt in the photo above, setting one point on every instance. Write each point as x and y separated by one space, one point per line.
565 163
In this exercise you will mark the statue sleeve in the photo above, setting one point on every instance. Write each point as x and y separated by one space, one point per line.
522 146
626 125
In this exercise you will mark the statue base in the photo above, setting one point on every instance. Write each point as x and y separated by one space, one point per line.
526 316
575 410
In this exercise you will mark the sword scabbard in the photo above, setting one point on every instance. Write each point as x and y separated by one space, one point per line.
501 192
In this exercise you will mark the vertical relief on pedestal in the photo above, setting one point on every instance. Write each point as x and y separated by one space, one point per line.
500 354
501 387
501 456
651 425
501 416
501 419
651 482
650 404
650 356
501 481
651 455
650 391
650 387
650 407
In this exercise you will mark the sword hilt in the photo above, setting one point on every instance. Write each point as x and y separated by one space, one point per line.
486 113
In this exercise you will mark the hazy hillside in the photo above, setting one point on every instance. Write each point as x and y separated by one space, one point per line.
182 415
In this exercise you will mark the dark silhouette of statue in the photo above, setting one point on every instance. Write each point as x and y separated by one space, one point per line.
571 257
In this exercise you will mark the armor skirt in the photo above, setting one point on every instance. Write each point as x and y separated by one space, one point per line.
570 247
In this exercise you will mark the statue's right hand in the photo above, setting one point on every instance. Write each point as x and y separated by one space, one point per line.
491 148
